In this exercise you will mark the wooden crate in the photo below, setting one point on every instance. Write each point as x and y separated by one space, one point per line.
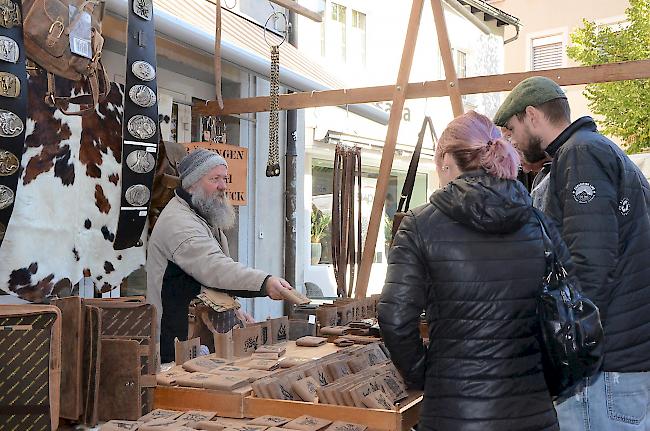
377 420
226 404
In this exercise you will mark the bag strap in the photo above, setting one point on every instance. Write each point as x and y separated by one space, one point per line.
13 107
554 268
409 182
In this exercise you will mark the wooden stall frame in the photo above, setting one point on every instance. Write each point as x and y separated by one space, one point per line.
404 418
403 90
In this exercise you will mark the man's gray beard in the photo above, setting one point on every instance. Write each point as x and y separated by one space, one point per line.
216 209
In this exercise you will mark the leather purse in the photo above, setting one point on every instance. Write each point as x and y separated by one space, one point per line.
571 330
30 354
48 26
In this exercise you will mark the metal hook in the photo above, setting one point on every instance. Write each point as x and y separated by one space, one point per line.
286 27
229 7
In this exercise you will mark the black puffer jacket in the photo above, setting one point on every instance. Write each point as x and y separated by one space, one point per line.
600 201
473 259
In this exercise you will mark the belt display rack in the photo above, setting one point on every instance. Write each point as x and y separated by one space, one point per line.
139 126
13 106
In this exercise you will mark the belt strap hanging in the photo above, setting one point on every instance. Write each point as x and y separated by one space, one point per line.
13 105
409 182
140 131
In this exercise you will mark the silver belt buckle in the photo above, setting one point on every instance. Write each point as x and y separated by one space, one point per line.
137 195
8 49
10 124
142 96
6 196
141 127
143 9
140 161
143 70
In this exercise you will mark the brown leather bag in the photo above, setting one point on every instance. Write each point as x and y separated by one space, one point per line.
47 29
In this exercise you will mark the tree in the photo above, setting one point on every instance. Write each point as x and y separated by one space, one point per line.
625 105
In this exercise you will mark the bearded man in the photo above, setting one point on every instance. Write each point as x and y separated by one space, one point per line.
600 202
188 252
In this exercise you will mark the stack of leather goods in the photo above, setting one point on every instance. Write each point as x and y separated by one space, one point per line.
109 358
357 376
343 311
30 354
170 420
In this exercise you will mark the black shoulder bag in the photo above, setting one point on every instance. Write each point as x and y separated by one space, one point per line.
572 334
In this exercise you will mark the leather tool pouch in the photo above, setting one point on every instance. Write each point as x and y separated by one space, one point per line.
47 40
30 354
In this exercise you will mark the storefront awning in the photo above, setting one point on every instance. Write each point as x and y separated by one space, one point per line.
192 22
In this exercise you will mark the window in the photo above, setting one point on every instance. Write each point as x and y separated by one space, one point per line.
461 64
547 52
338 34
358 38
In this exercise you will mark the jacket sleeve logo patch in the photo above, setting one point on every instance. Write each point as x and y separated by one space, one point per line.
624 206
584 193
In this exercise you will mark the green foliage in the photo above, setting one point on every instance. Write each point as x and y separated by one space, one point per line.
624 105
319 224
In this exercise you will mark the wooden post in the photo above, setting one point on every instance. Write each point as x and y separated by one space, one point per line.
299 9
388 152
447 60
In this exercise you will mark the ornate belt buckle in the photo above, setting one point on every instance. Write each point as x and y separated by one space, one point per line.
143 9
143 71
137 195
140 161
142 96
10 124
141 127
6 197
9 163
9 85
9 14
8 50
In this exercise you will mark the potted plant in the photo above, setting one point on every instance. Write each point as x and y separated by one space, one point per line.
319 224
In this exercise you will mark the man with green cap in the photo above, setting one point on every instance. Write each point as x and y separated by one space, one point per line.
600 201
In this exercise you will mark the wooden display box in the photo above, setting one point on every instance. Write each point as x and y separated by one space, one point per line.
377 420
226 404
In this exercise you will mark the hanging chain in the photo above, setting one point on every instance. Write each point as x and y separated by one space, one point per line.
273 164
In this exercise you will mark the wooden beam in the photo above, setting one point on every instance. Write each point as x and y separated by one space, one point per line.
447 60
299 9
623 71
388 152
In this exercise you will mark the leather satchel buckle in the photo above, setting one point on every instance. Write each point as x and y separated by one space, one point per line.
51 40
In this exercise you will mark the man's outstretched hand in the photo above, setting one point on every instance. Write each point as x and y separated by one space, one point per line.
274 287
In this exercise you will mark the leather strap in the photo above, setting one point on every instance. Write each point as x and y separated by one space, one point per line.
137 124
409 182
13 112
217 56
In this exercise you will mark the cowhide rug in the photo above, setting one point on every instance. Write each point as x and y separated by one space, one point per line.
68 199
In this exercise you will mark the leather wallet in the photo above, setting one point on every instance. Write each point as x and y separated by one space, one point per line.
307 423
306 389
310 341
269 421
346 426
160 414
378 400
294 297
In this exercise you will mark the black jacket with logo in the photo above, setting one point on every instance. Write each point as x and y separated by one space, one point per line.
600 201
473 258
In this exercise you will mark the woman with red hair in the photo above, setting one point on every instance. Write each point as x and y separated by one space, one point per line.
473 260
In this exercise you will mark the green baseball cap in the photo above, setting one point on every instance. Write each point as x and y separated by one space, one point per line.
530 92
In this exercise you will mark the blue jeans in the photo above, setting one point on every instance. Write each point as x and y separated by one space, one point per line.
608 402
